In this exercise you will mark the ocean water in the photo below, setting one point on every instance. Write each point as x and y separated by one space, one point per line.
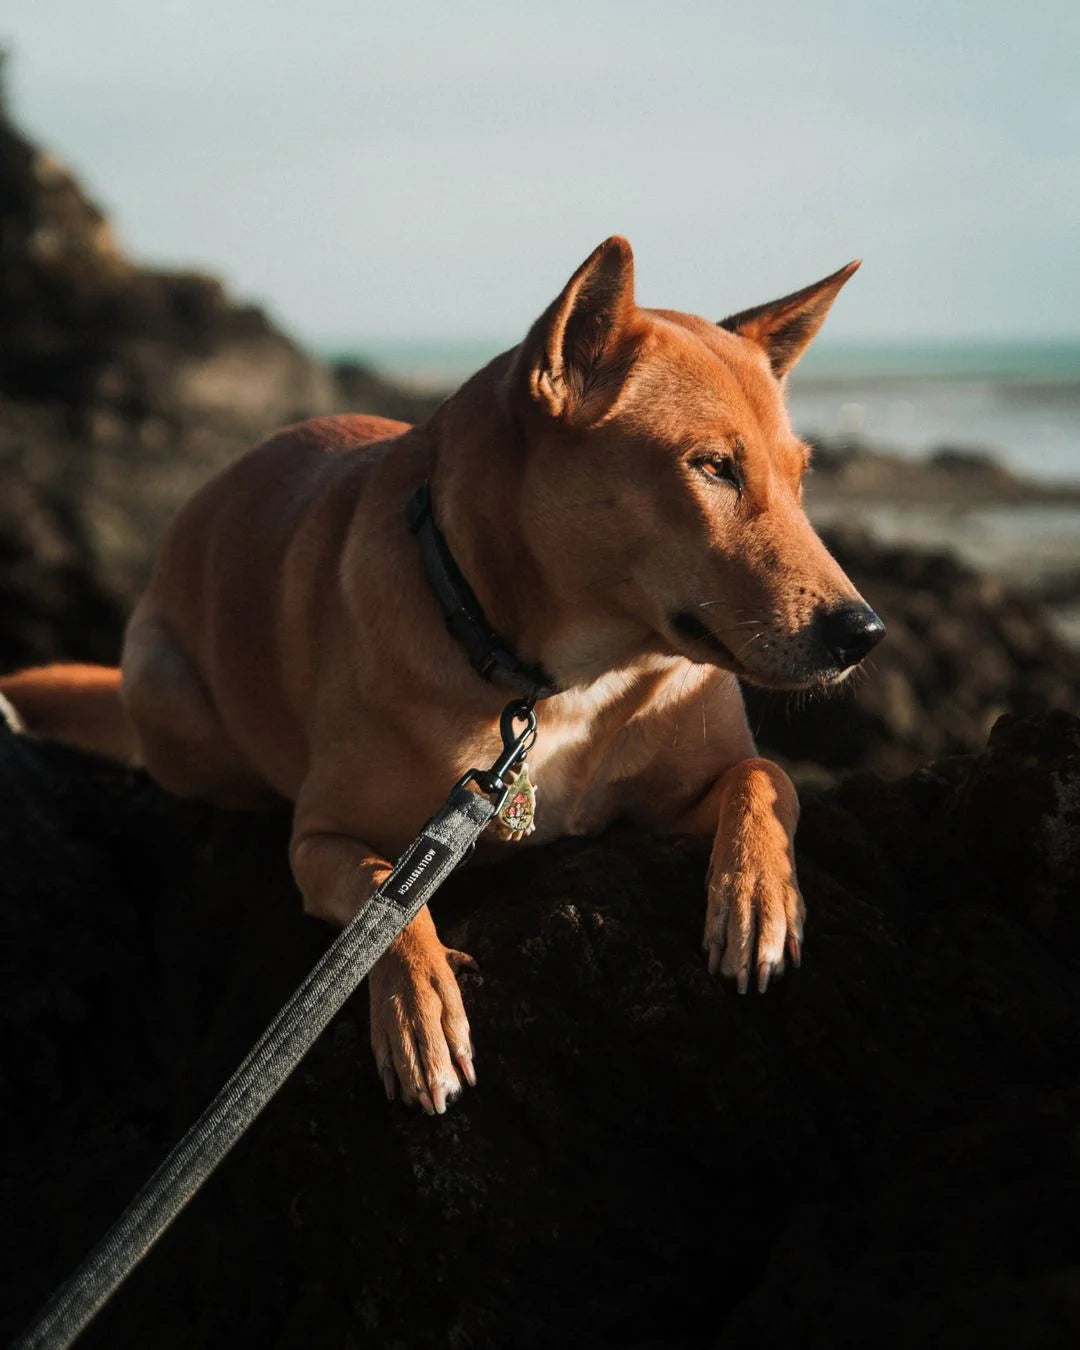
1017 400
1020 402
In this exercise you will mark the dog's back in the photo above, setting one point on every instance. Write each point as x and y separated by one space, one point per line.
83 705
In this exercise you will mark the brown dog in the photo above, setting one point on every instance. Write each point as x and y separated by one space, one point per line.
622 493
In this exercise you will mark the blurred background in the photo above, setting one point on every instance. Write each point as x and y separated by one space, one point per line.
217 219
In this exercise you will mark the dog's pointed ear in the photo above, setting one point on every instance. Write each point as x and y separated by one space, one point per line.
578 352
786 327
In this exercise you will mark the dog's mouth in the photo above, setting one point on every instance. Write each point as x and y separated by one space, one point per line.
691 630
690 627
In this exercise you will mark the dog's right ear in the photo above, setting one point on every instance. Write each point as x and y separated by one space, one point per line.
577 354
785 327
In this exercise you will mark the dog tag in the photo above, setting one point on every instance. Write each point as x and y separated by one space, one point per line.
518 815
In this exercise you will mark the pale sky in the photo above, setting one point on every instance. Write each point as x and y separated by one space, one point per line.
427 170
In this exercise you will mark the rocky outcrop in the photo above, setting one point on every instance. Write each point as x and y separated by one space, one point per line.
84 328
54 601
121 389
878 1152
853 471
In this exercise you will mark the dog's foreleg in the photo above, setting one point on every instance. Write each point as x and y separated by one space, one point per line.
755 909
419 1030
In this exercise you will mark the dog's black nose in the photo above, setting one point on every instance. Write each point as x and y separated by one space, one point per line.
850 632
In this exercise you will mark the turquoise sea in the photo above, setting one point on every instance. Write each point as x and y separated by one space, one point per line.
1019 400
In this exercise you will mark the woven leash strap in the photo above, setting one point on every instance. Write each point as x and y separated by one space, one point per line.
445 841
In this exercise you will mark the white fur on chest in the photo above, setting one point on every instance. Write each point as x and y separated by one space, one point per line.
599 738
560 762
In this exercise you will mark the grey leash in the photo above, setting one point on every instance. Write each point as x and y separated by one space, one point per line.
442 844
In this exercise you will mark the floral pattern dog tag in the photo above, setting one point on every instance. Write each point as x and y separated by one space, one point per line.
518 815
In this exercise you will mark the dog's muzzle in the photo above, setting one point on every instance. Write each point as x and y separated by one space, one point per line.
822 652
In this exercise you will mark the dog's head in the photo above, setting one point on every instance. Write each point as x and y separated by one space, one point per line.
664 481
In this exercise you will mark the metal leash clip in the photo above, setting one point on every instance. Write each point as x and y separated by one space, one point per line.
516 745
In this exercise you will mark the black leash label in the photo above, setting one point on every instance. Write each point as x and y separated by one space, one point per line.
414 868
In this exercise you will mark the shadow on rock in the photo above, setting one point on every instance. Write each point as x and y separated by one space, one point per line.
880 1151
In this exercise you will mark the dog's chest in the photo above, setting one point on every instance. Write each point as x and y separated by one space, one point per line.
585 751
569 797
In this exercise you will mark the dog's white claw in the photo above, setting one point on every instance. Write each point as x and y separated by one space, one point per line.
749 924
468 1069
419 1028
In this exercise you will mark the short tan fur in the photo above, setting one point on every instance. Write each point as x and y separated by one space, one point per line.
623 492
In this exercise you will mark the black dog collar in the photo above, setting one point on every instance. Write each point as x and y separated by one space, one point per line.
490 655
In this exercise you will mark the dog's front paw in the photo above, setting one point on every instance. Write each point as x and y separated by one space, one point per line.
419 1030
755 914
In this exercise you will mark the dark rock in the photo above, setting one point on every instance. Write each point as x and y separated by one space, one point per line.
880 1151
53 605
959 651
364 390
1022 799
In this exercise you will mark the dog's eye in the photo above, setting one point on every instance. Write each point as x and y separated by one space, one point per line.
722 469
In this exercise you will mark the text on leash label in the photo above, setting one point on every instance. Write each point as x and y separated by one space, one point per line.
425 856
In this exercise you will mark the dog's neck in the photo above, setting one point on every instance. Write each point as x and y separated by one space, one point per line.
489 653
478 451
475 499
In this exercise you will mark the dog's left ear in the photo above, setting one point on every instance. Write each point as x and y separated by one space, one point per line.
786 327
578 352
